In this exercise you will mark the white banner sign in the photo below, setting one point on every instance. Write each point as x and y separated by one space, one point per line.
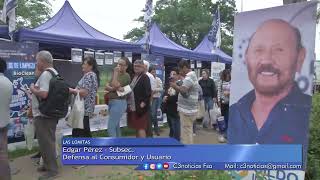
108 58
216 68
76 55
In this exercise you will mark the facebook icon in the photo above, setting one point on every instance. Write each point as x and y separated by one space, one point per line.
146 166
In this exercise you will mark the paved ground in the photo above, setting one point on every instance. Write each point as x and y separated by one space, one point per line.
28 169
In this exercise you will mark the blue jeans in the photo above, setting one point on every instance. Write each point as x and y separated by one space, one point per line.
154 110
174 121
208 103
117 107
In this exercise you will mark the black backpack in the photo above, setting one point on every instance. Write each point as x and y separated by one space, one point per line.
57 103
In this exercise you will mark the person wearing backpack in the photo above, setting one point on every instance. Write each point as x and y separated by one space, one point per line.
87 88
45 123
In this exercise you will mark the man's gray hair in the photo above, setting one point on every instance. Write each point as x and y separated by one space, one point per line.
147 64
45 56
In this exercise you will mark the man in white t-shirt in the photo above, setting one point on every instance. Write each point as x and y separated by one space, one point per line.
156 99
6 90
153 86
45 126
187 100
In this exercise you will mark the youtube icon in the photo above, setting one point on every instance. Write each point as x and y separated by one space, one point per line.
165 165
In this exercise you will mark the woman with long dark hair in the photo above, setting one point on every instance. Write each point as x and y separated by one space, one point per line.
87 88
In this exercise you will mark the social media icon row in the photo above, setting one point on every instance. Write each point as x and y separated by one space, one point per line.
157 166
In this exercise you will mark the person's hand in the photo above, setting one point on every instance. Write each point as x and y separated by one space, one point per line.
142 104
116 69
73 91
33 87
165 98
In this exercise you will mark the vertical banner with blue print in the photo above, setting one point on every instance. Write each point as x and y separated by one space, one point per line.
271 89
21 63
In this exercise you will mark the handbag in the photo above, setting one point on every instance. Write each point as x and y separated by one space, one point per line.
75 119
130 99
215 113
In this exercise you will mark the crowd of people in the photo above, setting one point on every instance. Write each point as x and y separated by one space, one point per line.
146 94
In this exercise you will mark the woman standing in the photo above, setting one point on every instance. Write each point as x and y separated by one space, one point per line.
139 100
87 88
117 104
224 94
170 102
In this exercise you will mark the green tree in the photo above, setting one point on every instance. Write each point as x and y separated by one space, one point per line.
187 22
31 13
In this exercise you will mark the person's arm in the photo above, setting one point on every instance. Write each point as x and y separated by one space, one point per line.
38 92
114 82
109 88
82 92
42 90
147 92
184 88
88 83
214 90
159 87
172 99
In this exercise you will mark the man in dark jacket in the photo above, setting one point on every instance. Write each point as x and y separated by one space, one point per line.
209 93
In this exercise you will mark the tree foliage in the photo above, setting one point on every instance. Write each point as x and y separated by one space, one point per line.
186 22
313 163
31 13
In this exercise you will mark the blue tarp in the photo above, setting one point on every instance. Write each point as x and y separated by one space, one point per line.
162 45
206 46
68 29
4 32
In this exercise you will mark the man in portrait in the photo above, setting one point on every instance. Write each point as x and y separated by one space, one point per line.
276 111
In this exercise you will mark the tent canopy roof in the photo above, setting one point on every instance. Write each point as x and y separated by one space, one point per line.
67 28
160 44
4 32
206 46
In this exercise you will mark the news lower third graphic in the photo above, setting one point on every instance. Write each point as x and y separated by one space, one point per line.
169 154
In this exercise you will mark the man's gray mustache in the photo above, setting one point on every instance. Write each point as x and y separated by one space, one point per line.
268 68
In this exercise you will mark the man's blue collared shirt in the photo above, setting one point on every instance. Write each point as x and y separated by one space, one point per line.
287 123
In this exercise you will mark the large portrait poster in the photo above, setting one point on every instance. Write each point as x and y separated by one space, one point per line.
20 58
272 74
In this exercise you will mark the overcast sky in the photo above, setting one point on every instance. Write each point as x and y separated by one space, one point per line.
115 17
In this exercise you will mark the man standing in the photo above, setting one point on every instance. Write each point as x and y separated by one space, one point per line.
187 100
276 111
156 100
45 126
209 91
6 91
153 86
